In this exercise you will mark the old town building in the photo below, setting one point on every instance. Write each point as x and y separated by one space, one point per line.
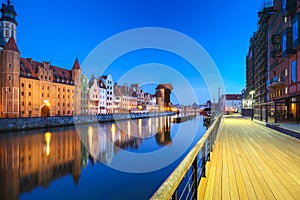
33 89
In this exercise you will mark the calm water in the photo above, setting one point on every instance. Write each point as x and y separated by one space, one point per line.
100 161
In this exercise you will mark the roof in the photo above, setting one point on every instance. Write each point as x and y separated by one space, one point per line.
165 86
11 45
30 69
101 84
76 64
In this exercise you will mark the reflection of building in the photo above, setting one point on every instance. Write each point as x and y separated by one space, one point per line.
29 161
105 140
29 88
163 92
163 137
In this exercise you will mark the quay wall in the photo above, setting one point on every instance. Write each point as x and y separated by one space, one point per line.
17 124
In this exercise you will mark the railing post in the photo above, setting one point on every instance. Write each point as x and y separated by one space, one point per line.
203 164
175 195
195 177
209 147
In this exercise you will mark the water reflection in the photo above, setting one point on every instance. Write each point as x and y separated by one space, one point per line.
105 140
29 161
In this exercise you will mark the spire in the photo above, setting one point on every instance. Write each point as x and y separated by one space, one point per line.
76 64
11 45
8 2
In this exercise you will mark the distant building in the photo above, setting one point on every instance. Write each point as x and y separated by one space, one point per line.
84 95
126 99
232 103
163 93
109 83
103 97
94 96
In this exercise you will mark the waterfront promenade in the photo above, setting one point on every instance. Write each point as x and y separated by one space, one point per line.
251 161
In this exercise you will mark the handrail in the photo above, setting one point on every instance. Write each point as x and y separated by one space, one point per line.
169 186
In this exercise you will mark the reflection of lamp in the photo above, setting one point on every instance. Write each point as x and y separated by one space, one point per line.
252 93
113 131
48 139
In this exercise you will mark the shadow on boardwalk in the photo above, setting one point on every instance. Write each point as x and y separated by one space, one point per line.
251 161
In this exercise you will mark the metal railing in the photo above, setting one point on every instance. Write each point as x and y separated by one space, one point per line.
184 180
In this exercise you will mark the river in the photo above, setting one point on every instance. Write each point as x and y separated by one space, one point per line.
127 159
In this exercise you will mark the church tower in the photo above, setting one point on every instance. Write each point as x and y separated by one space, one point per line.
76 76
8 23
10 80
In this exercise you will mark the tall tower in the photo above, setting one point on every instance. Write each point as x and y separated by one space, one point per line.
10 80
76 76
8 23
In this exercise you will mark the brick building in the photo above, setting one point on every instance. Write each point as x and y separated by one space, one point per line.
29 88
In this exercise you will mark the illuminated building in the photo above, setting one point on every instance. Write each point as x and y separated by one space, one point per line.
163 93
33 89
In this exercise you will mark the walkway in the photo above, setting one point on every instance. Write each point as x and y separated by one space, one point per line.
251 161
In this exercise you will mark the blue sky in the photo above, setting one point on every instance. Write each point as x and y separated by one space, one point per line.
58 30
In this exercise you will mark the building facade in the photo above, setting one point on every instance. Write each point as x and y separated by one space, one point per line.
163 94
257 58
109 83
33 89
84 95
283 68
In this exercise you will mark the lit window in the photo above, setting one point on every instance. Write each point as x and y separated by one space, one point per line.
293 72
286 72
286 90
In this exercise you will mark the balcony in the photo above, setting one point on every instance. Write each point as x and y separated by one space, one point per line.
289 7
275 82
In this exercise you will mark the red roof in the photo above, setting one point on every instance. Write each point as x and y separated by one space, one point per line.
29 69
76 64
11 45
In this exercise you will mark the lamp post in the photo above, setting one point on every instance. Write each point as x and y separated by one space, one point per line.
252 93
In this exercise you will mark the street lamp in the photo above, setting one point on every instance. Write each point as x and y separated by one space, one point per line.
252 93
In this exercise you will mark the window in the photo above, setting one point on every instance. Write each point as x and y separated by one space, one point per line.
22 93
29 103
29 86
284 42
48 88
42 94
295 28
283 4
293 71
29 94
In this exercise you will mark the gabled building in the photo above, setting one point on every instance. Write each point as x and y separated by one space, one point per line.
109 83
84 95
29 88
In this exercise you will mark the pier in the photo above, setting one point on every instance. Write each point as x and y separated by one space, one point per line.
251 161
246 161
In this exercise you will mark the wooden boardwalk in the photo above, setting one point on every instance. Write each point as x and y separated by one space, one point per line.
251 161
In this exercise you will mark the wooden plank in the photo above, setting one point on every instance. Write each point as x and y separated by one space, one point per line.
252 161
